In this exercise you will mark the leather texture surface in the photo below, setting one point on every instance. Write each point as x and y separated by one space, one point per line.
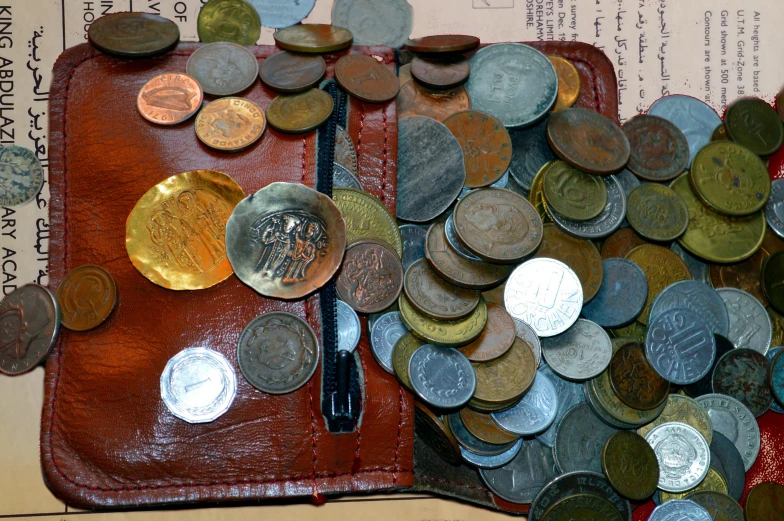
107 440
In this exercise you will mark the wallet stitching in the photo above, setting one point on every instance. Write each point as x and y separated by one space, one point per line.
384 163
596 102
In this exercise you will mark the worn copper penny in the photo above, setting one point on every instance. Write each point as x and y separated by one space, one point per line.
568 83
496 339
371 276
659 150
417 100
446 43
507 377
588 141
579 254
223 68
485 428
29 323
765 502
498 225
230 124
133 35
366 79
436 434
634 381
443 72
169 99
87 296
620 243
301 112
743 375
315 38
436 298
291 72
487 147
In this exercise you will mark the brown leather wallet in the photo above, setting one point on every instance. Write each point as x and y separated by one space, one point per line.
107 440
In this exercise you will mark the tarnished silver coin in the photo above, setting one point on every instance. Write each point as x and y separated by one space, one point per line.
569 394
680 346
628 181
580 439
750 325
736 422
726 459
198 385
743 375
514 82
349 328
522 479
545 294
502 181
527 333
277 14
441 376
223 68
774 208
680 510
21 175
384 334
697 268
413 243
622 294
343 178
607 222
491 462
375 22
694 118
698 297
580 353
454 241
535 412
530 152
579 482
772 352
683 454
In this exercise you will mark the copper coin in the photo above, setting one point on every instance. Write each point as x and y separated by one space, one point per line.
133 35
498 225
300 112
291 72
659 150
579 254
417 100
620 243
568 83
487 147
634 381
442 72
169 99
29 323
315 38
483 426
436 298
506 378
366 79
230 124
495 340
436 434
746 275
438 43
87 296
370 277
588 141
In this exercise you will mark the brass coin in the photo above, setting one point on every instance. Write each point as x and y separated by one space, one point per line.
441 332
367 218
656 212
662 267
630 465
169 99
230 124
440 72
633 379
773 280
620 243
568 83
680 408
291 72
713 482
507 377
536 193
443 43
634 331
436 298
436 434
765 502
366 79
417 100
716 237
133 35
496 339
314 38
483 427
87 295
582 507
579 254
301 112
401 355
487 147
730 178
160 233
228 21
370 277
659 150
573 194
754 124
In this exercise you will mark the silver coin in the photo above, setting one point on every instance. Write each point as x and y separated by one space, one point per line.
773 351
774 208
726 459
545 294
697 268
21 175
580 439
349 328
413 243
622 294
527 333
581 353
530 152
223 68
736 422
680 346
694 118
385 333
580 482
683 454
524 78
569 394
607 222
535 412
343 178
627 180
698 297
750 325
502 182
522 479
375 22
198 385
454 242
277 14
680 510
491 462
441 376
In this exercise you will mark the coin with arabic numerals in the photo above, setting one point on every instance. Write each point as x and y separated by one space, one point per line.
87 295
698 297
223 68
300 112
754 124
133 35
313 38
680 346
366 79
169 99
228 21
441 376
292 72
573 194
371 276
21 175
659 150
29 325
198 385
230 124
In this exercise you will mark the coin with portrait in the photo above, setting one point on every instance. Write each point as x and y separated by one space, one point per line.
29 325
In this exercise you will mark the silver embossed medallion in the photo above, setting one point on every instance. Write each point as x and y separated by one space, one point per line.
375 22
223 68
535 412
441 376
680 346
607 222
736 422
580 353
569 395
683 454
343 178
698 297
750 325
21 175
520 480
349 328
680 510
384 334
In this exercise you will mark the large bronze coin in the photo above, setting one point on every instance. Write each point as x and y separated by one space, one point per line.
582 507
773 280
483 427
133 35
223 68
230 124
662 267
498 225
286 240
417 100
630 465
175 235
443 72
87 296
401 355
367 218
228 21
441 332
29 324
496 339
573 194
659 150
765 502
634 381
620 243
754 124
366 79
371 276
443 43
656 212
315 38
169 99
568 83
588 141
506 378
436 434
436 298
579 254
301 112
487 147
291 72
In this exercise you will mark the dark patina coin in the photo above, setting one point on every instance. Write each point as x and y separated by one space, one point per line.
657 212
634 381
486 146
440 72
622 295
366 79
430 429
370 277
773 280
443 43
580 438
573 483
21 175
228 21
659 150
588 141
530 152
436 298
776 375
290 72
316 38
743 374
413 243
754 124
29 324
133 35
705 384
223 68
728 461
630 465
471 442
765 502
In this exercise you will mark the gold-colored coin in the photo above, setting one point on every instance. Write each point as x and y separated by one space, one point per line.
536 193
483 427
228 21
630 465
715 237
507 377
367 218
765 502
662 267
230 124
579 254
730 178
568 83
87 295
713 482
656 212
777 323
582 507
572 194
442 332
318 38
175 235
301 112
679 408
635 331
401 355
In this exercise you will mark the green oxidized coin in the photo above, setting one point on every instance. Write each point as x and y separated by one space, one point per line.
229 21
754 124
